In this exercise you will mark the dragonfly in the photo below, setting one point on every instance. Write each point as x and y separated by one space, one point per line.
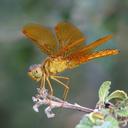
66 50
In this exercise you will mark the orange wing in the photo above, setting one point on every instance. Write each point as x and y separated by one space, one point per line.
86 53
75 61
70 38
98 54
88 48
42 36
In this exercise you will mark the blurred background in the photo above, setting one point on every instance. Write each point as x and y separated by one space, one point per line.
95 18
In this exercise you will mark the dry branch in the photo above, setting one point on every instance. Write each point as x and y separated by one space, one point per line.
43 98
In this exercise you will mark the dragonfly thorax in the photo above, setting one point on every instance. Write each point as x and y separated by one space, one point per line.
55 65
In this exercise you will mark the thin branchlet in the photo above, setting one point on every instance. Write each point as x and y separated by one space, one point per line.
43 98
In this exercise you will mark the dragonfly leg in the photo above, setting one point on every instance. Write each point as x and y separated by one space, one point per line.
66 88
42 85
62 77
50 86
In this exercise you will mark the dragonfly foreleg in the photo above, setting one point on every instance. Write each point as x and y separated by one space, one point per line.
42 85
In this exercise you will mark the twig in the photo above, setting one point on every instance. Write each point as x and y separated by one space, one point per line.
43 98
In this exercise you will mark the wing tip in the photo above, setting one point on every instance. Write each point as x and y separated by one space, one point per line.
108 37
116 51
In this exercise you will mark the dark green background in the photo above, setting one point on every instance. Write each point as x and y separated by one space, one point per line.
95 18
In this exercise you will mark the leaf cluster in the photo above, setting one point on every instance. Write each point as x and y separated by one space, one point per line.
111 110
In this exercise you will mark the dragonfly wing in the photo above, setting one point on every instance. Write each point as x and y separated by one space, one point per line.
42 36
70 38
90 47
98 54
77 60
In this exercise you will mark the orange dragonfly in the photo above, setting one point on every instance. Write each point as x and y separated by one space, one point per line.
65 49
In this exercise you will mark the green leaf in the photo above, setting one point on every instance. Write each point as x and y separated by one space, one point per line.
118 94
121 109
85 123
123 112
110 122
96 116
104 91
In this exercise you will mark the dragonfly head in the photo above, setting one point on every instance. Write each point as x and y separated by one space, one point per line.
35 72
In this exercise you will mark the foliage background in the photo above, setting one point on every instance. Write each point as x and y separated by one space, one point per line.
95 18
